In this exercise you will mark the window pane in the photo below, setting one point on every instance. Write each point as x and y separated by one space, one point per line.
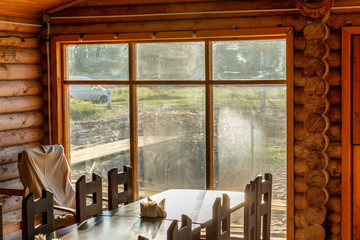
250 139
97 62
170 61
256 59
171 130
99 130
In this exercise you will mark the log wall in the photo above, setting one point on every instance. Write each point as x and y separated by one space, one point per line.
21 115
332 164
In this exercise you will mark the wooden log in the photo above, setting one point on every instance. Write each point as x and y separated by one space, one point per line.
333 132
300 234
300 150
300 167
316 86
20 120
46 139
316 196
334 61
334 114
10 154
11 203
315 215
334 168
9 171
334 217
22 136
315 232
300 202
316 160
19 88
45 95
19 55
300 113
334 186
334 95
43 48
334 41
27 40
333 77
316 178
9 27
315 104
316 68
316 49
297 23
335 228
13 183
316 141
334 204
316 30
19 71
316 123
337 21
300 221
300 185
20 104
335 237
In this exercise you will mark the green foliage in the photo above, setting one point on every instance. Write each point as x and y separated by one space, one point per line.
86 110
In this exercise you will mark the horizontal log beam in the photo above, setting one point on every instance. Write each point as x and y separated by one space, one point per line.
334 59
10 154
11 203
334 41
20 88
334 132
334 114
19 71
19 55
20 104
334 150
12 184
334 77
334 95
21 120
9 171
18 39
22 136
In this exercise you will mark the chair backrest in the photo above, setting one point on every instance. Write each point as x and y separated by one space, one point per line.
84 188
115 179
184 233
46 167
250 211
1 223
32 208
220 223
264 191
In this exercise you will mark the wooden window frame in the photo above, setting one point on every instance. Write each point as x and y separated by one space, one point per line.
60 120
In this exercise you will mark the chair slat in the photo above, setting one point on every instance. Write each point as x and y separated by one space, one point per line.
115 179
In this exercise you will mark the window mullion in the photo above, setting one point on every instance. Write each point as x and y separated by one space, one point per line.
209 117
133 120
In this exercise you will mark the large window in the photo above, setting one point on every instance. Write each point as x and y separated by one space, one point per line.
189 113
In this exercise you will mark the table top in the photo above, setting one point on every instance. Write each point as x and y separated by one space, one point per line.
120 228
196 204
125 222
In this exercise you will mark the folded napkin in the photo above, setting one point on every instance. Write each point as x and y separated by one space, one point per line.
150 208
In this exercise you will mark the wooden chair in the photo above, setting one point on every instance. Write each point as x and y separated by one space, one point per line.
115 179
184 233
84 188
264 191
220 224
250 211
31 208
142 238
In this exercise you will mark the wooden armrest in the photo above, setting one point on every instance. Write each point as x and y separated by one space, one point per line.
65 209
16 192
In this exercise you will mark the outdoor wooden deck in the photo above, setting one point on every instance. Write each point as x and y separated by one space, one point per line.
86 154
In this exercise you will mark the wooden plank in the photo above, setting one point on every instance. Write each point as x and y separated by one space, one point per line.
85 154
356 90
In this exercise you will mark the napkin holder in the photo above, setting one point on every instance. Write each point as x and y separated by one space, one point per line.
152 209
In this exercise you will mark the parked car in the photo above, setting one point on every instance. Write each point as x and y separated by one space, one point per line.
95 93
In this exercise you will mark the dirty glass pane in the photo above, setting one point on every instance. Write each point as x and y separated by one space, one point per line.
170 61
97 62
250 139
171 136
99 129
249 60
